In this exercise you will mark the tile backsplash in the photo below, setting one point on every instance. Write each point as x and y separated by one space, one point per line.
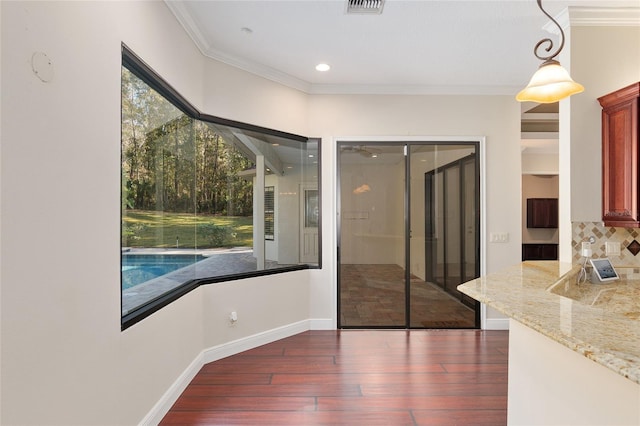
582 231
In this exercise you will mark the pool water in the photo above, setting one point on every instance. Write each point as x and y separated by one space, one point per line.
139 268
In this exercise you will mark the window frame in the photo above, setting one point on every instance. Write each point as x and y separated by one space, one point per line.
145 73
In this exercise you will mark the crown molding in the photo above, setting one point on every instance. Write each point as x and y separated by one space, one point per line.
576 16
260 70
604 17
183 16
379 89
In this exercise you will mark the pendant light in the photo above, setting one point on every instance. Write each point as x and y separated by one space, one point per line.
551 82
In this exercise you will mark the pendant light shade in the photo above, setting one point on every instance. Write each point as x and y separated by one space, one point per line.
551 82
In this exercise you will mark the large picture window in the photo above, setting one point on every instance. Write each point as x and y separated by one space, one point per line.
200 193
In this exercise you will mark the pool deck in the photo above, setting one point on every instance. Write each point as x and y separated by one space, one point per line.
217 263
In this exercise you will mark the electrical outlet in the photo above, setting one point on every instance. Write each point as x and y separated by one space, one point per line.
612 248
499 237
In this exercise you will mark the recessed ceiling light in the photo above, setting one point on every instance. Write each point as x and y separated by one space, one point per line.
323 67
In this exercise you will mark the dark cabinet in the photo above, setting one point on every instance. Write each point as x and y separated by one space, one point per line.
620 157
539 252
542 213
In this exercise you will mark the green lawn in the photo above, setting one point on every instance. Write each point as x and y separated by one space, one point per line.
159 229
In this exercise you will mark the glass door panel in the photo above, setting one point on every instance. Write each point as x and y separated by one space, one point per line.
452 234
371 242
438 203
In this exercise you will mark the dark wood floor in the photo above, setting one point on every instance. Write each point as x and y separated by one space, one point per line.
355 377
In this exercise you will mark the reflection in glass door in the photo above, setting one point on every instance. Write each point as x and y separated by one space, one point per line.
452 221
408 234
372 276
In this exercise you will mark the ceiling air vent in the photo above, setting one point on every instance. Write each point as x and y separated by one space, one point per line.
365 6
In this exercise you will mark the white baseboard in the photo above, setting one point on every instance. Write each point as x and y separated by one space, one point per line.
161 408
234 347
167 400
496 324
322 324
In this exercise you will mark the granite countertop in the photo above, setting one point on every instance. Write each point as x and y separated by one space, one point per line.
599 321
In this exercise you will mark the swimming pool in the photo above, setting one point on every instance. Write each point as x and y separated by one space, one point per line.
139 268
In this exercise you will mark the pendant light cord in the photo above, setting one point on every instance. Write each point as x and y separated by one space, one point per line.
548 40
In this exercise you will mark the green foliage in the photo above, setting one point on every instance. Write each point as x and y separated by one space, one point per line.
215 235
153 229
132 232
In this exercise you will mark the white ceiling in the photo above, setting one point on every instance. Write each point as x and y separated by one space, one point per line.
414 46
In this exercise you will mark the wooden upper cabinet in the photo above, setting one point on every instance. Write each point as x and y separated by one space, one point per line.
542 213
620 157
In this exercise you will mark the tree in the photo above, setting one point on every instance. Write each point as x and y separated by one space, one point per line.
171 162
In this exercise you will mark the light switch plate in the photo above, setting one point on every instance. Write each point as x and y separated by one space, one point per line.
612 248
499 237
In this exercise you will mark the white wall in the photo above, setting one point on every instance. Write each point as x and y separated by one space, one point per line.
543 164
64 358
240 96
262 304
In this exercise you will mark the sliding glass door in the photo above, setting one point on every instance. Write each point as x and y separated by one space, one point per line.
452 222
371 239
408 234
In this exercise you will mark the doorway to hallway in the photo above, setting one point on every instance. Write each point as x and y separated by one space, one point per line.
408 234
